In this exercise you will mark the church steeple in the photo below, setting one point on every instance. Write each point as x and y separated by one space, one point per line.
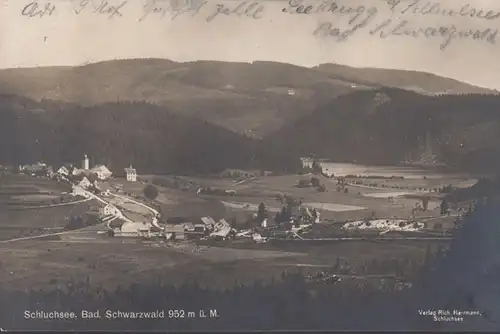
85 163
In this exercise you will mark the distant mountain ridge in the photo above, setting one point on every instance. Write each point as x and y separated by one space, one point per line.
254 98
419 82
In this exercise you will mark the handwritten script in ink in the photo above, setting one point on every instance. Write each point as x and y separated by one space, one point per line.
101 7
172 9
34 9
252 9
336 21
210 10
400 21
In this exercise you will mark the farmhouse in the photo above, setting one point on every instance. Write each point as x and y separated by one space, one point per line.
79 191
132 229
221 229
108 210
131 174
102 172
188 227
209 222
175 232
63 171
84 183
307 162
35 169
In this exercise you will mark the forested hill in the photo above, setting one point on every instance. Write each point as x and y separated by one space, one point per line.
254 98
386 125
118 134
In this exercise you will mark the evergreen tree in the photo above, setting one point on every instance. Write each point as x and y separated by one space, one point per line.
277 218
425 203
262 213
315 182
444 207
285 214
316 167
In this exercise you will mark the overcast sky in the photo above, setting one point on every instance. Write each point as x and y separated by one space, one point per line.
65 38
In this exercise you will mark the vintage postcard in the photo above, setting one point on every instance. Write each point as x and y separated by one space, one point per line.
209 165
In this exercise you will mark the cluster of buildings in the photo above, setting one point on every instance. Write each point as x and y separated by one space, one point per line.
99 172
206 227
38 169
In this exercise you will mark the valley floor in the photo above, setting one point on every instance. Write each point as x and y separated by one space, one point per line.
115 261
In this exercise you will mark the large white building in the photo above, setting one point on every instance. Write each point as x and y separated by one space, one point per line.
131 174
102 172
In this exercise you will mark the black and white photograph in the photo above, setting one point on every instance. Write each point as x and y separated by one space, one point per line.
238 165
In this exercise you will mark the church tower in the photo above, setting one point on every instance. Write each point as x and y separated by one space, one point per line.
85 162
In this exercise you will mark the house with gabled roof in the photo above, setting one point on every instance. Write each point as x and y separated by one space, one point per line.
102 172
79 191
109 209
85 183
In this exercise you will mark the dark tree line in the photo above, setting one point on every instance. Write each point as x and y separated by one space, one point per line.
151 138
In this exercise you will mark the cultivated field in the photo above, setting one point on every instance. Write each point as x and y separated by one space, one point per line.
34 197
357 203
414 184
23 183
22 223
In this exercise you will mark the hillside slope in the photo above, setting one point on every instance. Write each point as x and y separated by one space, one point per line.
384 126
419 82
150 137
255 98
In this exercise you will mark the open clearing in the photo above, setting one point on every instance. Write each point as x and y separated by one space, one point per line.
333 207
43 263
247 206
129 206
39 262
20 223
34 197
26 184
387 194
357 203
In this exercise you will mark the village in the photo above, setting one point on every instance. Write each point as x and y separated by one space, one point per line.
135 214
126 215
326 221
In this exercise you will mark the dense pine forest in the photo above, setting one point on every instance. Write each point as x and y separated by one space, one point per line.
384 126
118 134
381 126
